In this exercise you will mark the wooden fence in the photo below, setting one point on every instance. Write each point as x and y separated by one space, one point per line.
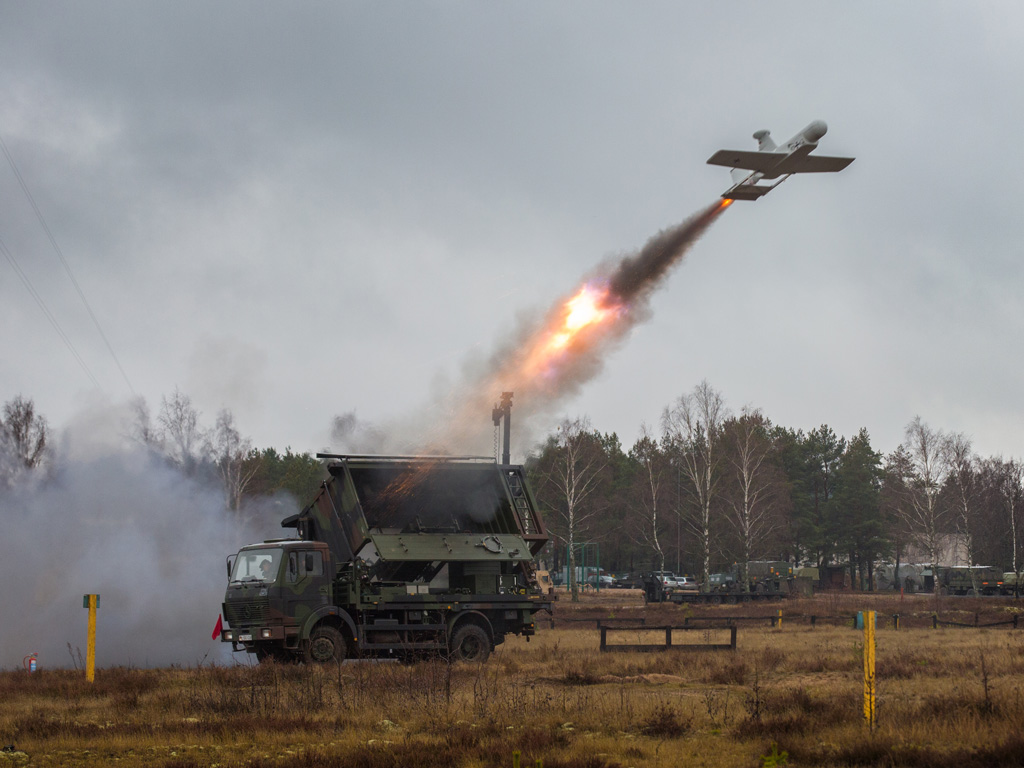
668 630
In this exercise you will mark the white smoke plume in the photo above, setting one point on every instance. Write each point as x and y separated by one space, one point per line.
114 519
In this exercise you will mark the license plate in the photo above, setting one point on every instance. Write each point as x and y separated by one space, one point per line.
245 638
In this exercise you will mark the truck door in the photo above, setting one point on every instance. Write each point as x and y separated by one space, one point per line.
306 586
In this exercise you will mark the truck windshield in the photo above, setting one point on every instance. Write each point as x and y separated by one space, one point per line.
257 565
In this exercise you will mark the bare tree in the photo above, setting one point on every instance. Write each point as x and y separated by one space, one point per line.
229 452
647 493
754 488
693 429
24 438
963 480
140 428
1011 491
929 467
575 472
184 441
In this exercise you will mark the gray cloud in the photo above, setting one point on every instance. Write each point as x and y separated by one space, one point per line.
368 198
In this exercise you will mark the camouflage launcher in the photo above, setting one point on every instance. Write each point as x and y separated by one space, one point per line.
410 517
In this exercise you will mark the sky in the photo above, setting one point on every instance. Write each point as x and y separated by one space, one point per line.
297 211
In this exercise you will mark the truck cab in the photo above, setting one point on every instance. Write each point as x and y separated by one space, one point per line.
271 588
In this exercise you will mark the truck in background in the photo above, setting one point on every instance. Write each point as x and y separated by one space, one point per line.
395 556
968 580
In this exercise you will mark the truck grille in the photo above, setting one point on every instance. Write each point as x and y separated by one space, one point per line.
240 613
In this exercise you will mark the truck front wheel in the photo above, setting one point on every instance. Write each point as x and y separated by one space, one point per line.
470 643
325 644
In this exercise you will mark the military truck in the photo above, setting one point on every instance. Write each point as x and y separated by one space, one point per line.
395 556
968 580
1013 583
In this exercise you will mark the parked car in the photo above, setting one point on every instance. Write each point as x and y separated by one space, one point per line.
668 579
686 584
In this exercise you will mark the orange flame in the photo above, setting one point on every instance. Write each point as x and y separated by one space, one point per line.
590 307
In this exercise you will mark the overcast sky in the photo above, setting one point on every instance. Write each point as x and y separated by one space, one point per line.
297 210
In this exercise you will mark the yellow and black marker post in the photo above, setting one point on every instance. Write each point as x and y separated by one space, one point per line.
869 668
92 602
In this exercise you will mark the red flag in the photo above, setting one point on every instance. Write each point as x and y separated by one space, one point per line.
218 628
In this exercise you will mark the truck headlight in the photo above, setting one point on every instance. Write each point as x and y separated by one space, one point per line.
227 635
265 634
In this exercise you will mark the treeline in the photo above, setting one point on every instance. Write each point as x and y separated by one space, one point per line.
711 489
707 490
214 454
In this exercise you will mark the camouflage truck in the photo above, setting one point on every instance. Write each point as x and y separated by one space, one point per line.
1013 583
969 580
395 556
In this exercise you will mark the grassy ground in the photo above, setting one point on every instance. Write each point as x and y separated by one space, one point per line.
787 696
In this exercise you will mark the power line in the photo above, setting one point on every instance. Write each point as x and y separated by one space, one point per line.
67 267
49 315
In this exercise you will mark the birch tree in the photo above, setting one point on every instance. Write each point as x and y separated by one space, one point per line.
692 429
929 467
754 498
230 451
574 472
1011 491
649 466
183 440
963 482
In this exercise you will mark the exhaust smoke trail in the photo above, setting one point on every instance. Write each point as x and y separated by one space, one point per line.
550 359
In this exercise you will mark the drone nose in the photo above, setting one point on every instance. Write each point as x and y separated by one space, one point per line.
815 130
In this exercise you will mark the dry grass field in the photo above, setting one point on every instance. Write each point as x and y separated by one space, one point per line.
789 695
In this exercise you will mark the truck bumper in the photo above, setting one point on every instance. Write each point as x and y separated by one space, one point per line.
246 635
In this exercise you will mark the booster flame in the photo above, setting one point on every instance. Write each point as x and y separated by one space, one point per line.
566 349
580 317
550 358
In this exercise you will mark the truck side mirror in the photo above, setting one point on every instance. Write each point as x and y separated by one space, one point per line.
230 564
309 563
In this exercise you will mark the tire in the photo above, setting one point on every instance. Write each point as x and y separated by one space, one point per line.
971 592
326 644
470 643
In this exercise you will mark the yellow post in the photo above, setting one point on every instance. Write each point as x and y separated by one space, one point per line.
869 668
779 624
515 758
91 602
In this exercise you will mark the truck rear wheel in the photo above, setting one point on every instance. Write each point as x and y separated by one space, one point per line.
470 643
325 644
